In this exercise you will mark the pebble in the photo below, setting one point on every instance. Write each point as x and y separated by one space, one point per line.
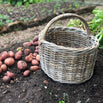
45 87
11 82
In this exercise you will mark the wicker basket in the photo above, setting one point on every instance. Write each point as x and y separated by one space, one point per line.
67 54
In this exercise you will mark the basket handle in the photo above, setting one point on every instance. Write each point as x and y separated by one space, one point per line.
61 16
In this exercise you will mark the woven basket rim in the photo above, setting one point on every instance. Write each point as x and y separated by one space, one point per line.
95 44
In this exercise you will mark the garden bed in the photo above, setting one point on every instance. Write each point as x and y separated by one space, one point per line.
16 18
32 89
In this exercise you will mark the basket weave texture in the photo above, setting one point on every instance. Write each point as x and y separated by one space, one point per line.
67 54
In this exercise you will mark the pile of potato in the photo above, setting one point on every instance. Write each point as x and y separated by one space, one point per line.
8 59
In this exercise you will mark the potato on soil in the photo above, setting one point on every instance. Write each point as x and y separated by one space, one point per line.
9 61
35 62
3 67
10 74
4 55
34 68
37 47
18 55
34 54
36 43
35 38
26 73
27 44
28 59
11 54
36 51
38 58
0 58
6 79
21 65
27 51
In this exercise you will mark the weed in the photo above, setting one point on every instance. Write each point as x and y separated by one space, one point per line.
1 22
50 93
54 11
27 19
76 4
9 21
9 10
43 10
57 6
49 12
22 18
31 18
31 13
70 7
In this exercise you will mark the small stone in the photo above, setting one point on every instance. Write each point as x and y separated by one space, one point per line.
11 82
84 90
45 87
30 101
36 19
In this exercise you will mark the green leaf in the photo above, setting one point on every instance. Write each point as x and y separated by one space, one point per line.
31 1
9 21
100 47
24 0
62 101
19 3
13 2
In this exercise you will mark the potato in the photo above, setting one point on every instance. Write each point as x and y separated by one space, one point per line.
21 65
3 67
11 54
36 51
34 68
36 43
18 55
37 47
26 73
10 74
27 44
9 61
38 58
6 79
35 62
32 56
35 38
28 59
0 63
27 51
4 55
35 54
0 70
20 52
0 58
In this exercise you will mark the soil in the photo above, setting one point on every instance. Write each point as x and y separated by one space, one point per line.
32 11
32 89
